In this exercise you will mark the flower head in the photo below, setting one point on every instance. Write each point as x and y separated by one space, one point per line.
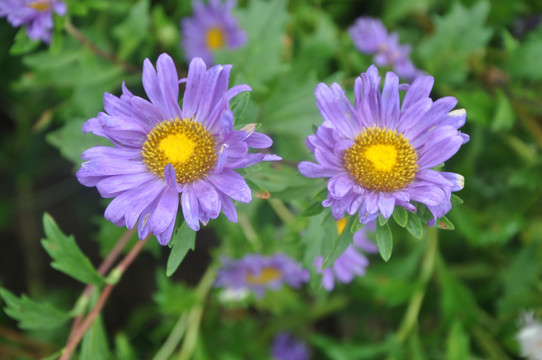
37 14
380 153
161 150
352 262
370 36
212 27
257 273
287 347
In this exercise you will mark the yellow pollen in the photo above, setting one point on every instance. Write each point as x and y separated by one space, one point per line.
40 5
267 275
381 160
341 223
215 38
177 147
383 157
185 144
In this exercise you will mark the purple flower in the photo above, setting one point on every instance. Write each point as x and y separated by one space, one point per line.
161 150
380 153
287 347
212 27
37 14
352 262
371 37
257 273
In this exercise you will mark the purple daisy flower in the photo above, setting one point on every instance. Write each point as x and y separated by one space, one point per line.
161 150
288 347
352 262
212 27
371 37
257 273
37 14
380 153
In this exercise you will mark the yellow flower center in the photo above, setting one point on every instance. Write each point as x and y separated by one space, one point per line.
40 5
267 274
341 223
381 160
185 144
215 38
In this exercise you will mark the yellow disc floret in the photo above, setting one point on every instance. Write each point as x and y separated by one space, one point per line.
185 144
381 160
40 5
267 275
215 38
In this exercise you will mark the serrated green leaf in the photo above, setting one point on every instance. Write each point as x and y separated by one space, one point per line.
384 241
445 224
314 209
22 43
94 344
32 315
340 243
66 255
400 215
414 225
184 239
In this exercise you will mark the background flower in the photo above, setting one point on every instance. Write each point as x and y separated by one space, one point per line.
36 14
212 27
161 151
257 273
379 153
287 347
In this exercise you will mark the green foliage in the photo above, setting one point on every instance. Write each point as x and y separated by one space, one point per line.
384 240
66 255
183 240
32 315
132 32
94 344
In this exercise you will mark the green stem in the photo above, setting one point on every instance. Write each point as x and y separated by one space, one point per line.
411 315
282 211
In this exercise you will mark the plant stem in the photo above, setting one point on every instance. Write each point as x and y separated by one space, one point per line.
282 211
72 30
104 295
428 265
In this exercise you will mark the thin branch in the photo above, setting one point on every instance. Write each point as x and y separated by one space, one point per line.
72 30
104 295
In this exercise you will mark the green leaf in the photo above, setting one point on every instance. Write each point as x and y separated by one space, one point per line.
456 200
504 116
314 209
400 215
184 239
414 225
134 29
524 62
94 344
239 105
22 43
382 220
30 314
459 35
313 239
340 243
457 343
67 257
384 241
445 224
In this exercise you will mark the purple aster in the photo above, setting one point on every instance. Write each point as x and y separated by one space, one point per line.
257 273
161 150
36 14
352 262
287 347
380 153
212 27
371 37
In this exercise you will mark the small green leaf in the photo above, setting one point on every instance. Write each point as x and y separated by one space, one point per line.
67 257
384 241
183 240
456 200
133 31
94 344
356 226
321 195
339 245
445 224
238 106
382 220
314 209
22 43
400 216
30 314
414 225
